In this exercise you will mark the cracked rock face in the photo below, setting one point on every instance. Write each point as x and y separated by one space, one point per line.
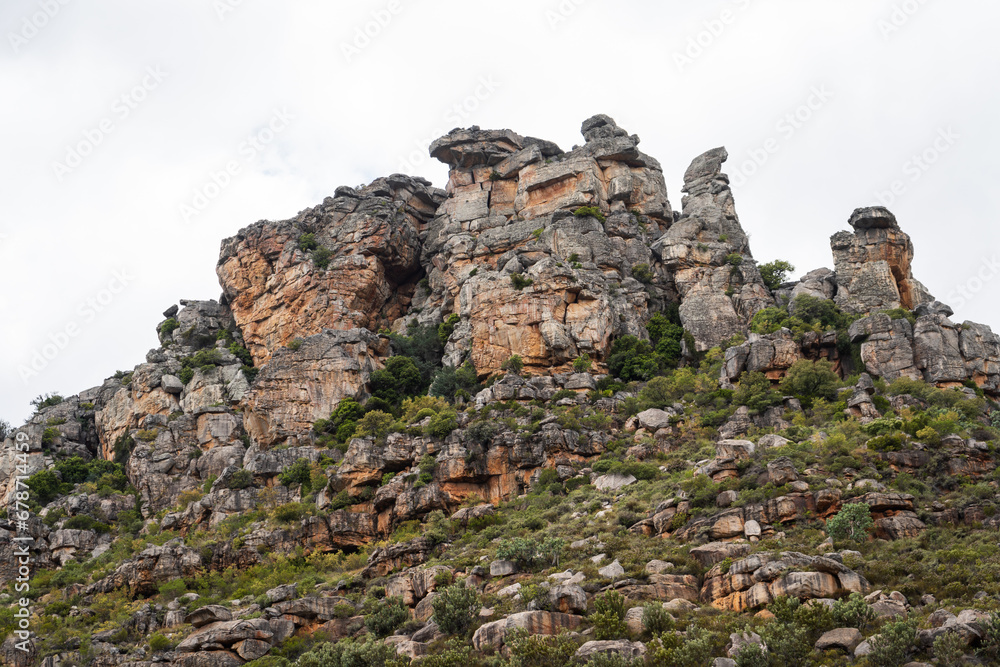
873 265
708 254
526 276
274 279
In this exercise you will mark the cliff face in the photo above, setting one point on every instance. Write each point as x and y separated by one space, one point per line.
532 252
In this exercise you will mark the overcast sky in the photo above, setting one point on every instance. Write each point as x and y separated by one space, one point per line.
121 118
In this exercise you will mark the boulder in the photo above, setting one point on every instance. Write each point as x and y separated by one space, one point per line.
843 639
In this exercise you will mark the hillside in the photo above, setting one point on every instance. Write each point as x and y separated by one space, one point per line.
540 417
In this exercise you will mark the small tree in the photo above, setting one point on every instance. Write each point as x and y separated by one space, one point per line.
609 616
581 364
375 424
513 365
455 608
774 273
852 522
811 380
891 647
751 655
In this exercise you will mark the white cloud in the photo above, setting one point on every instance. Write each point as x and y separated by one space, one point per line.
60 242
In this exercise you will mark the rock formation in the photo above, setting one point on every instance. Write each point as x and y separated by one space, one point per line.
873 265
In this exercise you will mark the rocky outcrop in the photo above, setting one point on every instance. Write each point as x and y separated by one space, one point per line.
708 254
298 387
934 349
358 269
755 581
523 273
873 265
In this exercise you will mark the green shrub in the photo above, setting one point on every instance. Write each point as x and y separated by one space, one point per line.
299 474
734 259
755 392
591 212
808 381
307 242
387 616
442 424
582 364
949 649
539 650
446 328
45 487
289 512
751 655
50 435
45 401
455 608
853 612
774 273
656 619
891 647
609 616
989 647
852 523
168 326
520 282
399 379
375 424
158 642
787 643
513 365
350 653
240 479
643 273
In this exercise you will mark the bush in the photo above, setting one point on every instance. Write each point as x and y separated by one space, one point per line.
853 612
46 401
787 643
168 326
642 273
989 647
240 479
446 328
46 486
387 616
455 608
375 424
307 242
891 647
289 512
442 424
581 364
809 380
539 650
351 653
755 392
751 655
734 259
590 212
609 616
299 474
520 282
450 380
513 365
656 619
400 379
774 273
158 642
949 649
852 523
633 359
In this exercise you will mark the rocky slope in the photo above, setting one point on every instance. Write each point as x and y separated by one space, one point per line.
629 436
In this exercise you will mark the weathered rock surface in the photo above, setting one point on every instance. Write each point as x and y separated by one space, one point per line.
279 292
873 265
708 254
509 217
